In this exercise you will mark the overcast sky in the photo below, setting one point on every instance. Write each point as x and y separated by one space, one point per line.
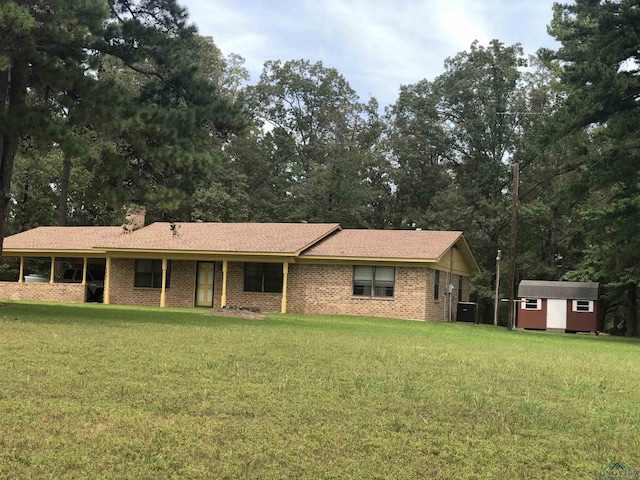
376 45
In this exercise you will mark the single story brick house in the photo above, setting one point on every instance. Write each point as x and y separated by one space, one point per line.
559 306
277 267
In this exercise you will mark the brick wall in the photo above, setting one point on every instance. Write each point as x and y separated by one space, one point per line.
327 289
438 310
181 292
46 292
321 289
236 296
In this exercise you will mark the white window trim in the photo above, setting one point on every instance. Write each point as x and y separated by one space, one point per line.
526 307
574 306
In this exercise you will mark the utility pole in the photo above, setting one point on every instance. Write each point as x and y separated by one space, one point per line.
495 306
512 252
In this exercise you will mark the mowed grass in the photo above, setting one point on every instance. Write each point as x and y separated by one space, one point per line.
108 392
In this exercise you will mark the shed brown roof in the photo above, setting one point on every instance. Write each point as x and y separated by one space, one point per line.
558 290
60 238
269 238
385 244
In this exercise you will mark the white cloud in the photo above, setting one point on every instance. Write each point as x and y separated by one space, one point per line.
377 45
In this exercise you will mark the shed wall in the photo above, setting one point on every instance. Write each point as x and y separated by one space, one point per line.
582 321
533 319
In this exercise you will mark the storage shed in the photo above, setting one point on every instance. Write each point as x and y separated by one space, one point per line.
559 306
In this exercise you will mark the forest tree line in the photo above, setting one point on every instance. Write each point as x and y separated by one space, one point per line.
119 102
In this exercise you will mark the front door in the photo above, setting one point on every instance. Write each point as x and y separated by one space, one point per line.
556 314
204 284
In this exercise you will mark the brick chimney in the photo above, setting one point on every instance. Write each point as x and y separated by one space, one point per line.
134 218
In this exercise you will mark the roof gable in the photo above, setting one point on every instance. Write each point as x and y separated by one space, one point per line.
399 245
384 244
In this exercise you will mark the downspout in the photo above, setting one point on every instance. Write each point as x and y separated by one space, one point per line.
450 284
444 300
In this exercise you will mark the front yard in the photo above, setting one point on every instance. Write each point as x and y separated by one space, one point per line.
95 391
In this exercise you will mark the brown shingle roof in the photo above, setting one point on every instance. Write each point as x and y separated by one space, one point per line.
270 238
60 238
385 244
307 239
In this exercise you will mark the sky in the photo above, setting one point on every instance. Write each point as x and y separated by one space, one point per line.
377 45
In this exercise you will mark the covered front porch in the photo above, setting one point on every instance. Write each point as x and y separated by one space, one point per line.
207 281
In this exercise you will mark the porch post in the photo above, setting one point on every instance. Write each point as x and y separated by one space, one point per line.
107 282
285 279
53 269
84 271
163 294
21 279
225 269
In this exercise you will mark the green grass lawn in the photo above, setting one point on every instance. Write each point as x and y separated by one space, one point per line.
95 391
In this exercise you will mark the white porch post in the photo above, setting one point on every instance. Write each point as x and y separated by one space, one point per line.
285 279
225 269
163 294
53 270
107 282
84 271
21 279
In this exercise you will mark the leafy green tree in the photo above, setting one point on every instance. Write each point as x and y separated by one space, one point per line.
417 147
322 141
550 233
42 54
125 71
33 190
452 142
600 74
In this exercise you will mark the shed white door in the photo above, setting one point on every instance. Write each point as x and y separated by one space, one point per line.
556 314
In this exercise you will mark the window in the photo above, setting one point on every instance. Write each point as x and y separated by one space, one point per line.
582 305
263 277
436 284
149 273
532 304
373 281
460 285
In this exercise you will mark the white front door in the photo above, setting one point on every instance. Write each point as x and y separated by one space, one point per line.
557 314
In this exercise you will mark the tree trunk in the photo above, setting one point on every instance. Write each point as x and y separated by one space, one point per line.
632 314
17 86
64 191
